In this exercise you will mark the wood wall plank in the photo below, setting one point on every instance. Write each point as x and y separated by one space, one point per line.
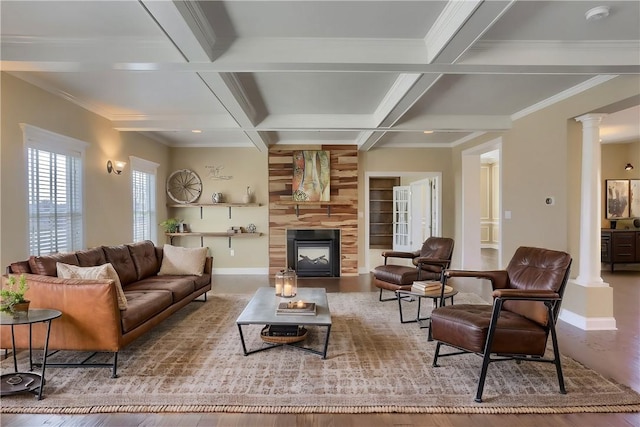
344 189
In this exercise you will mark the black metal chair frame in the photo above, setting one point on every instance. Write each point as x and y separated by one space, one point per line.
553 308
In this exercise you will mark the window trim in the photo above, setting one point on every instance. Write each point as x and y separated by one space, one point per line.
42 139
151 168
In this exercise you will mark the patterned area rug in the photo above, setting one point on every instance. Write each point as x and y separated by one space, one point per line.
193 362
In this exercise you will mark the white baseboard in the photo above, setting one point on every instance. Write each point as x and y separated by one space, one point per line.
242 271
588 323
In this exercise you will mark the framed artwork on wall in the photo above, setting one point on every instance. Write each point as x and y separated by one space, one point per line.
634 198
617 193
311 176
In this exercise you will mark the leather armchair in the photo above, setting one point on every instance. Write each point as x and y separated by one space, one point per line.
526 302
428 264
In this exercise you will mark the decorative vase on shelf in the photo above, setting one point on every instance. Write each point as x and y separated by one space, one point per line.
247 197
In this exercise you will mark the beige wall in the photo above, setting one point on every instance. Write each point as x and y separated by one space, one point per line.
240 167
107 197
541 156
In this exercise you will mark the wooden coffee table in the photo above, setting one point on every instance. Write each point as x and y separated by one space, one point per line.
261 310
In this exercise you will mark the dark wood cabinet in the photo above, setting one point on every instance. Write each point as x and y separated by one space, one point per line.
620 247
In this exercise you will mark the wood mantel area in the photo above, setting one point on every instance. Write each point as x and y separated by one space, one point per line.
285 214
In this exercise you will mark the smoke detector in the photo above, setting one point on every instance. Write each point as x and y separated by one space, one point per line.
597 13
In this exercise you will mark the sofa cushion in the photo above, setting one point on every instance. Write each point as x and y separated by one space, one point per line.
180 261
105 271
91 257
20 267
180 287
144 258
121 260
143 305
46 265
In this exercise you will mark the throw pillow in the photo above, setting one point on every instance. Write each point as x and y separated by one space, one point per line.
104 271
179 261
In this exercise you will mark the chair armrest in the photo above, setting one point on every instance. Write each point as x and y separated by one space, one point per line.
499 278
444 263
399 254
526 295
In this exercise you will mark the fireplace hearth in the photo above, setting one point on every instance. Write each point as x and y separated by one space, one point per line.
314 252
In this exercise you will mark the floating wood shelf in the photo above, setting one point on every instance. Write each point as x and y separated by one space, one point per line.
214 205
204 234
297 204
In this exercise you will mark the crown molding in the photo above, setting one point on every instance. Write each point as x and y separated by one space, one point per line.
561 96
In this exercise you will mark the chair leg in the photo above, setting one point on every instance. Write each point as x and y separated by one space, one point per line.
556 351
436 354
486 357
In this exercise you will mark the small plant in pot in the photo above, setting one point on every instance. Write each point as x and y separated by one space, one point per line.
12 298
171 225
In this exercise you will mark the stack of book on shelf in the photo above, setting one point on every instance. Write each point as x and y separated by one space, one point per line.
428 287
297 308
282 331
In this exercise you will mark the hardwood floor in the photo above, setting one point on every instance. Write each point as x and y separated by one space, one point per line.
612 353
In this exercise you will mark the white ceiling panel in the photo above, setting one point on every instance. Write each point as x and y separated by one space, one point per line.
371 73
322 93
330 19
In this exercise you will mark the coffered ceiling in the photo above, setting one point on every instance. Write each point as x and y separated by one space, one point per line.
371 73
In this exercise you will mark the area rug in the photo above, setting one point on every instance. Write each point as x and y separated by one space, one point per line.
193 362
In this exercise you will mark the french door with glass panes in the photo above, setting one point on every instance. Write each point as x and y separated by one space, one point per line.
401 218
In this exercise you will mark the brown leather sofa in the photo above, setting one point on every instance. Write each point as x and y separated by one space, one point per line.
91 319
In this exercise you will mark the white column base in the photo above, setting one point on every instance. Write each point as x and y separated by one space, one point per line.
588 307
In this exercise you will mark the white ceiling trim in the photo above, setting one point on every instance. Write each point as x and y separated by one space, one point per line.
452 18
176 122
87 105
520 52
185 26
595 81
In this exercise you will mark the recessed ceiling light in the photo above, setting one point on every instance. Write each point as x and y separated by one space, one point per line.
196 131
597 13
428 131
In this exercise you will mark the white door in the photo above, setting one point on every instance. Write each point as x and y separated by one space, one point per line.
401 219
424 211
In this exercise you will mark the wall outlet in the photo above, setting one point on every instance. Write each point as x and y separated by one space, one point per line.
232 252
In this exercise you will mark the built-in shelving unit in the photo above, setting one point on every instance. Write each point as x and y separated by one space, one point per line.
381 212
297 204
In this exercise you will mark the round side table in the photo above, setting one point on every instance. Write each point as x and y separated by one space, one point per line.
19 382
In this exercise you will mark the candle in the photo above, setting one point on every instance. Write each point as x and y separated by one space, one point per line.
300 304
287 290
278 288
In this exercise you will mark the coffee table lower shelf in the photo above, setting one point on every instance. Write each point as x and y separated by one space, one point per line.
20 382
302 335
288 341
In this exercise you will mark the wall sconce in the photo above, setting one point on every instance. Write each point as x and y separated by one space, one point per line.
628 167
115 167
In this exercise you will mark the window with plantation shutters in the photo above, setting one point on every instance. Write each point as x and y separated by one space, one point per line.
143 183
54 180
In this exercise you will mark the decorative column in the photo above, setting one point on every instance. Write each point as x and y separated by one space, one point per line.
588 301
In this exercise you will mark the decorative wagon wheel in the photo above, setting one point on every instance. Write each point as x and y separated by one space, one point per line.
184 186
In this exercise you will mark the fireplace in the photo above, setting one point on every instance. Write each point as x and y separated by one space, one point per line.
314 252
